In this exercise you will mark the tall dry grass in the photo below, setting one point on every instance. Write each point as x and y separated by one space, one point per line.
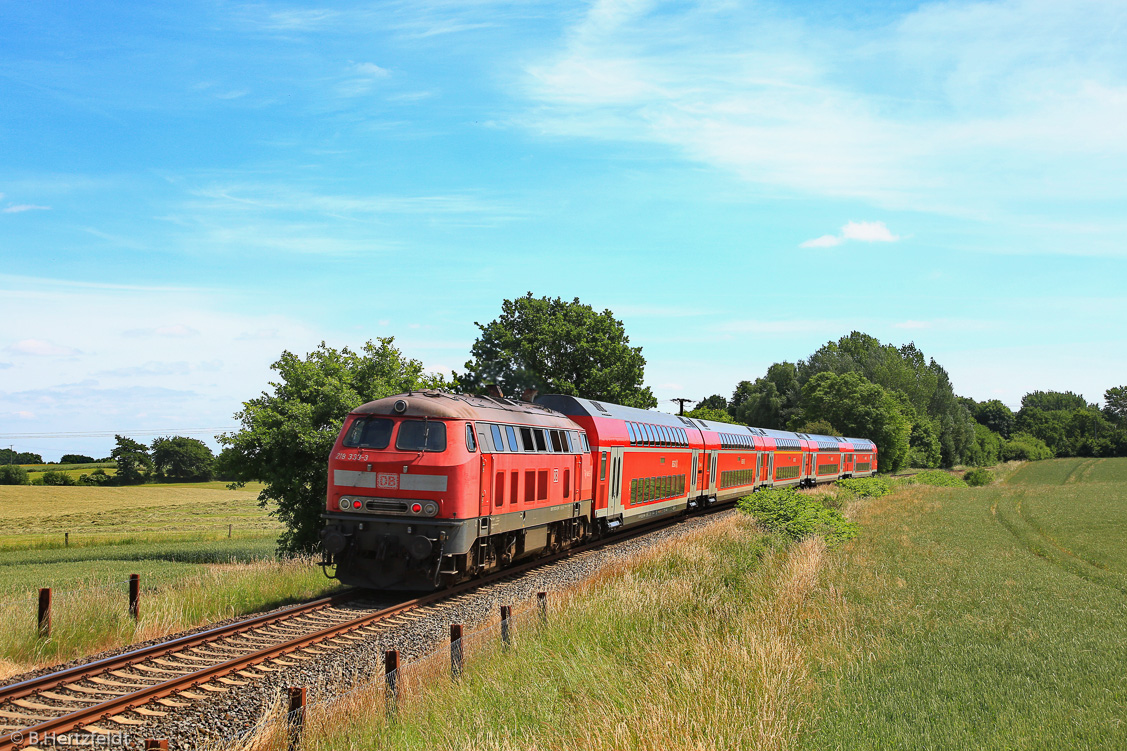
708 642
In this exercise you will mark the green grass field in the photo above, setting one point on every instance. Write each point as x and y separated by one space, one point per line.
992 618
203 553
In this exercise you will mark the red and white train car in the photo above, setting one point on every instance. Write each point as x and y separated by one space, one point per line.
428 488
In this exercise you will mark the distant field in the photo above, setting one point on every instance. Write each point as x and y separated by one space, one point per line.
987 618
176 536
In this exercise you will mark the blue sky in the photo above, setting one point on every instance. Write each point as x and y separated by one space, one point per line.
189 189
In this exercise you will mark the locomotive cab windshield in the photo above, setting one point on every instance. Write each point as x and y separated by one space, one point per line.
413 435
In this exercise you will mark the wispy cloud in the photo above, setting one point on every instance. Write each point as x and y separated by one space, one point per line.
868 232
259 334
959 108
5 365
21 207
172 331
41 348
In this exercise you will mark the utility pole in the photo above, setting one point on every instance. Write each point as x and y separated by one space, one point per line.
681 404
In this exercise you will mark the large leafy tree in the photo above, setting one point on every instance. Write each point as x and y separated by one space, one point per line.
1115 405
182 458
558 347
287 433
996 416
768 402
861 408
133 461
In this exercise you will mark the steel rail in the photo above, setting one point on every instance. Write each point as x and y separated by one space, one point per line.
88 715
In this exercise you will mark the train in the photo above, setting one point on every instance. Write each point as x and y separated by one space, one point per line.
430 488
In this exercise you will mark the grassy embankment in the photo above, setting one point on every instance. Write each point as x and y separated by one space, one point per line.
174 536
990 618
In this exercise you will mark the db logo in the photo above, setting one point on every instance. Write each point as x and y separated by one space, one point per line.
387 481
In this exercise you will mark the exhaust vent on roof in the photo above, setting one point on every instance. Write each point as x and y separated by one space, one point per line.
600 407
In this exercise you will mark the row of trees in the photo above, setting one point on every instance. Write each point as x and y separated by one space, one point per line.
905 402
173 458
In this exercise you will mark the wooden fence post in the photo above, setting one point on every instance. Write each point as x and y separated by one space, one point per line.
506 614
295 717
135 596
456 650
542 604
66 539
45 612
391 672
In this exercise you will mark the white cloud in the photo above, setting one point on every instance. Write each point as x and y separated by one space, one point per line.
5 365
825 241
912 325
41 348
23 414
371 70
21 207
258 334
869 232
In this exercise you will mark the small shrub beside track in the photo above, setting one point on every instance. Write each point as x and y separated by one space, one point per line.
864 487
798 516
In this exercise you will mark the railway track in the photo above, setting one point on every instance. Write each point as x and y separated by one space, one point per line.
132 689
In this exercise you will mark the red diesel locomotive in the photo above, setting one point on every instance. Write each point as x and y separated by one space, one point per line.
429 488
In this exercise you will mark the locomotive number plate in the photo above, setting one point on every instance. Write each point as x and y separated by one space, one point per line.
387 481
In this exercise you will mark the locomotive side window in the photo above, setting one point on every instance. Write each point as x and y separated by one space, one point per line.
471 443
526 438
512 436
498 442
369 433
557 442
603 470
541 444
421 435
572 444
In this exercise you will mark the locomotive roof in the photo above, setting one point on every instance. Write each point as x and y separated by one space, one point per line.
445 405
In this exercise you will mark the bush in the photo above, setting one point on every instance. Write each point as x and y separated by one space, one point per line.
978 476
97 478
13 474
938 478
1025 447
76 459
796 515
55 477
865 487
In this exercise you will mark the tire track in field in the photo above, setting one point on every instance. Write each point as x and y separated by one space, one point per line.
1008 511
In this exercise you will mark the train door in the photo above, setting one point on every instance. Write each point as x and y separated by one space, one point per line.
614 502
810 467
847 465
712 473
486 483
695 472
771 468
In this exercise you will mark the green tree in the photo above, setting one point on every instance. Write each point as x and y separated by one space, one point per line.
771 401
716 401
988 447
76 459
995 416
558 347
286 434
1052 401
818 427
133 461
1115 404
926 451
182 459
1025 447
863 409
13 474
708 413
